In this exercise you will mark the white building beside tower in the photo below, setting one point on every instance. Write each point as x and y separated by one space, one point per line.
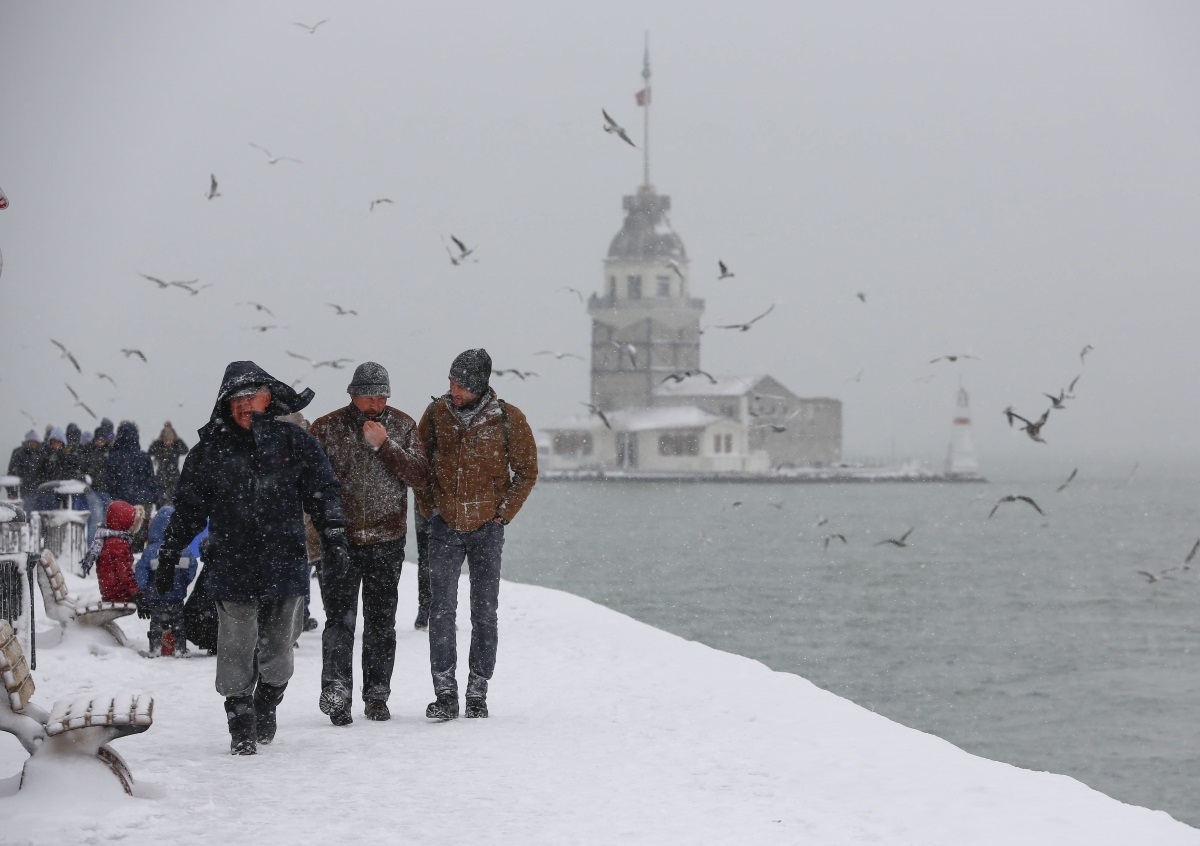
645 335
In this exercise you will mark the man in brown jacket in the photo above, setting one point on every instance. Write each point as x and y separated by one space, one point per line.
483 462
376 455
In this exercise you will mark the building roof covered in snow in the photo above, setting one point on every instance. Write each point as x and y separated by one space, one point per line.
646 233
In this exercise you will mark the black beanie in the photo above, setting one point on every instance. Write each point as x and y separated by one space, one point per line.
472 369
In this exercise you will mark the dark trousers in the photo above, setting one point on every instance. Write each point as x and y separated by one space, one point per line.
424 594
376 567
447 549
167 616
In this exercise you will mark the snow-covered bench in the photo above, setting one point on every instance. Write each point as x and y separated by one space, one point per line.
73 728
64 608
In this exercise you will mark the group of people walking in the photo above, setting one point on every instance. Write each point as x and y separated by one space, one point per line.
252 478
110 462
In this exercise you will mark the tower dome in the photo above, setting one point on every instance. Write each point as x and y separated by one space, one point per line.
646 234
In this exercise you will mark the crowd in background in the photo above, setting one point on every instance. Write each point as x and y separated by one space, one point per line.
110 461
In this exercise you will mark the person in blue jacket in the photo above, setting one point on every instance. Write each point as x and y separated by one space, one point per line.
166 609
253 478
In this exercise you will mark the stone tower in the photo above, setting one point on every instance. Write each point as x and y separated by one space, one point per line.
645 324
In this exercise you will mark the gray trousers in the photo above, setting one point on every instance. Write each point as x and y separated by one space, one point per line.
255 639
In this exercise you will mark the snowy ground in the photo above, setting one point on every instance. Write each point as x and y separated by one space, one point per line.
603 730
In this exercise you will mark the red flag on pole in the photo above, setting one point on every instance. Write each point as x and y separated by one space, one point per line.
643 96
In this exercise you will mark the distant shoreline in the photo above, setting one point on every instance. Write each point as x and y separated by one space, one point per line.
838 475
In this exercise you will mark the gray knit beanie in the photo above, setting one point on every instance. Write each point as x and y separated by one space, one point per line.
473 370
370 380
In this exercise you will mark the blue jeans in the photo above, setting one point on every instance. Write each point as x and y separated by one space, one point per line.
447 549
376 567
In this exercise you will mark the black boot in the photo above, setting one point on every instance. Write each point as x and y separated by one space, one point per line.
239 711
266 699
476 708
444 708
335 703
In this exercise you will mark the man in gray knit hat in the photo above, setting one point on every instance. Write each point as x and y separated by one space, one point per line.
377 456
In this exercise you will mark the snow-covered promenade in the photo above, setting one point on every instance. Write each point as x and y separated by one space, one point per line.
603 730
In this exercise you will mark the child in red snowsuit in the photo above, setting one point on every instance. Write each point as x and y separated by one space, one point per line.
113 556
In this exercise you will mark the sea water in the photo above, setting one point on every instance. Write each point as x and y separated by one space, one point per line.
1022 638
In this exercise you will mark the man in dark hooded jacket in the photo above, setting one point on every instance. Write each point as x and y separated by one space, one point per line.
253 477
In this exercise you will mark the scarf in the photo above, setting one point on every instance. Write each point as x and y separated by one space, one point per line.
93 553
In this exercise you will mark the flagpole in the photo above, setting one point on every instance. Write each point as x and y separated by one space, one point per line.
646 114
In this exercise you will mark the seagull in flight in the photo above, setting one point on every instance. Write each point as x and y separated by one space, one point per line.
679 377
861 296
1070 478
311 29
106 376
596 412
336 364
574 291
953 358
187 286
1151 578
558 356
1087 348
626 349
374 203
1015 498
161 284
81 403
521 374
612 126
341 311
272 159
724 274
212 188
1057 401
837 535
900 541
257 307
1034 430
463 251
66 353
138 353
744 327
674 265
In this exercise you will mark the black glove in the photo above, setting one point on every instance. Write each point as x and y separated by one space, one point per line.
336 558
143 607
164 575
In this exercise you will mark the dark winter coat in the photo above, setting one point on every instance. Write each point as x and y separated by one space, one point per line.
56 463
114 567
478 471
92 459
144 573
254 486
25 462
374 482
166 458
129 473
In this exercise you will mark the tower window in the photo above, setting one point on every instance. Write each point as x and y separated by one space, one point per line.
664 286
635 287
612 286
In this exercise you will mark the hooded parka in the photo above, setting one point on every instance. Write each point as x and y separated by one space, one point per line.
254 487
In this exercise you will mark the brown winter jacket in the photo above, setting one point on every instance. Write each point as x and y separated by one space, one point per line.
473 477
374 482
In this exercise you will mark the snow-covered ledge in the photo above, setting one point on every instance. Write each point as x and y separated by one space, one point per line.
603 730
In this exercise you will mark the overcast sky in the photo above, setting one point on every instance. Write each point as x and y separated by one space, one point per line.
1010 180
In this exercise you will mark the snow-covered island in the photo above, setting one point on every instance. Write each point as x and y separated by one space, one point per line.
603 730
